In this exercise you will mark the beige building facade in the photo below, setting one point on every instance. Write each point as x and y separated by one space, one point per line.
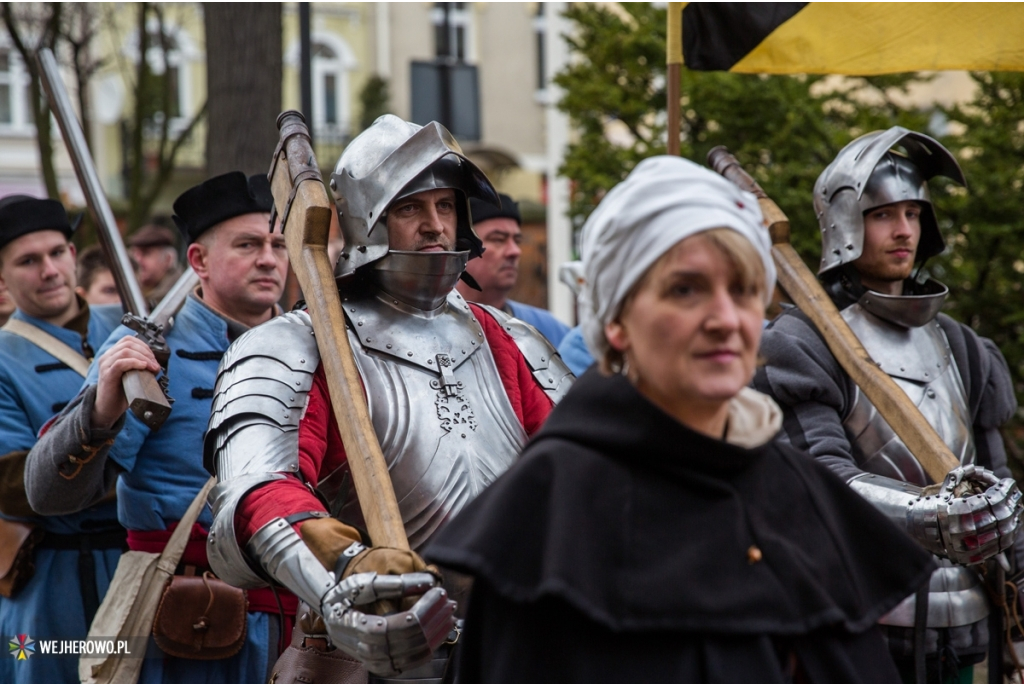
351 43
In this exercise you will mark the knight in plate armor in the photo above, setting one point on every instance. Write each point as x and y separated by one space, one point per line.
454 390
877 222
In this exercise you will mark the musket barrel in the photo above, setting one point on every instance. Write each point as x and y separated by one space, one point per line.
127 287
145 397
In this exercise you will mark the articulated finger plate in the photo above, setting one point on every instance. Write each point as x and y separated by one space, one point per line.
366 588
983 525
971 527
390 644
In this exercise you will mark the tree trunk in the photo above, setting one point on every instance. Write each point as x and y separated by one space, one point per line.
243 71
47 38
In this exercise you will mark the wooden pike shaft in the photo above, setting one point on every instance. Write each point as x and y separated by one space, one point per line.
306 234
806 292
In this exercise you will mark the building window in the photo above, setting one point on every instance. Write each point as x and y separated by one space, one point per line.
453 23
332 60
15 109
166 65
330 92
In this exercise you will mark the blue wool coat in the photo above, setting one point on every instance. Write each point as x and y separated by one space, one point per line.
163 472
33 387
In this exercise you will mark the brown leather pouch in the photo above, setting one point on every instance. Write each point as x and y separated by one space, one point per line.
308 659
201 617
17 555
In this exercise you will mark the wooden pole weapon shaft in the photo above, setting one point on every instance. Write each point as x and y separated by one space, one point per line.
305 210
804 289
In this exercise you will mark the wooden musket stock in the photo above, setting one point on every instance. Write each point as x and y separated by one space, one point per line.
805 290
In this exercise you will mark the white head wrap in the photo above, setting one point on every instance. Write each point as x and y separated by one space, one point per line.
663 201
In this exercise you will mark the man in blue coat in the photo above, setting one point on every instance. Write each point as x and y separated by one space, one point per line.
54 570
494 274
241 267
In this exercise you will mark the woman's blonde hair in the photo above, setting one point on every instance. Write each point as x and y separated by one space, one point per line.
741 253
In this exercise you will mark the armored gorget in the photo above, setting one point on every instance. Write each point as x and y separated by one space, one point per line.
919 360
438 406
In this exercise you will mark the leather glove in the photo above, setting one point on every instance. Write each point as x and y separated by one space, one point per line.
390 644
972 516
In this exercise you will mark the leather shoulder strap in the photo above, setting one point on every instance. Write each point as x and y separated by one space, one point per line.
49 344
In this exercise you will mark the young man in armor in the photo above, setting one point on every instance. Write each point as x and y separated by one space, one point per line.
454 391
877 223
53 569
241 267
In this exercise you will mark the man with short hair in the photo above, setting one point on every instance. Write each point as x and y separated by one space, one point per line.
7 304
53 569
454 391
877 223
497 269
95 280
154 249
241 265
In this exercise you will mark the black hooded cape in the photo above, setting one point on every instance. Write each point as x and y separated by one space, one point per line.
624 546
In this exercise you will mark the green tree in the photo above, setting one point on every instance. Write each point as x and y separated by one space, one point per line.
985 267
375 101
784 129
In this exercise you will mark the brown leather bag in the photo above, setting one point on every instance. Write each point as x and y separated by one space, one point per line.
308 658
201 617
17 555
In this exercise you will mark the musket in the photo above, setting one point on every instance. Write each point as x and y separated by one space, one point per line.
147 398
302 202
806 292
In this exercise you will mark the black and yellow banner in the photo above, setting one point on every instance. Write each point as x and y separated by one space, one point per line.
861 38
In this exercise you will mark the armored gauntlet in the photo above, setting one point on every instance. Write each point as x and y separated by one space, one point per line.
972 516
968 518
387 645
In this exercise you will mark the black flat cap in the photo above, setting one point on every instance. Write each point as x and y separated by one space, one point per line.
23 214
221 198
483 210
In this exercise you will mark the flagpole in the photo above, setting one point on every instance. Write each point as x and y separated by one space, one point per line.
673 72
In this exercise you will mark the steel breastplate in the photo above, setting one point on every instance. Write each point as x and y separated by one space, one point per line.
918 358
920 362
445 424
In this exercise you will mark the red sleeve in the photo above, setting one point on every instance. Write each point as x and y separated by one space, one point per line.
531 404
320 449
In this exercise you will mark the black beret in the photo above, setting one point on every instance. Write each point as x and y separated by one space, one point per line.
219 199
483 210
22 214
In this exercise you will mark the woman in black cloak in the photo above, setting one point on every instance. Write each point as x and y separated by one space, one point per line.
653 530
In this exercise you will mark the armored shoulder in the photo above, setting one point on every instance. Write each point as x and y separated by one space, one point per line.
259 396
252 438
550 372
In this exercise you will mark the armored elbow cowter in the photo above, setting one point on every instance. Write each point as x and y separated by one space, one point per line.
262 387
